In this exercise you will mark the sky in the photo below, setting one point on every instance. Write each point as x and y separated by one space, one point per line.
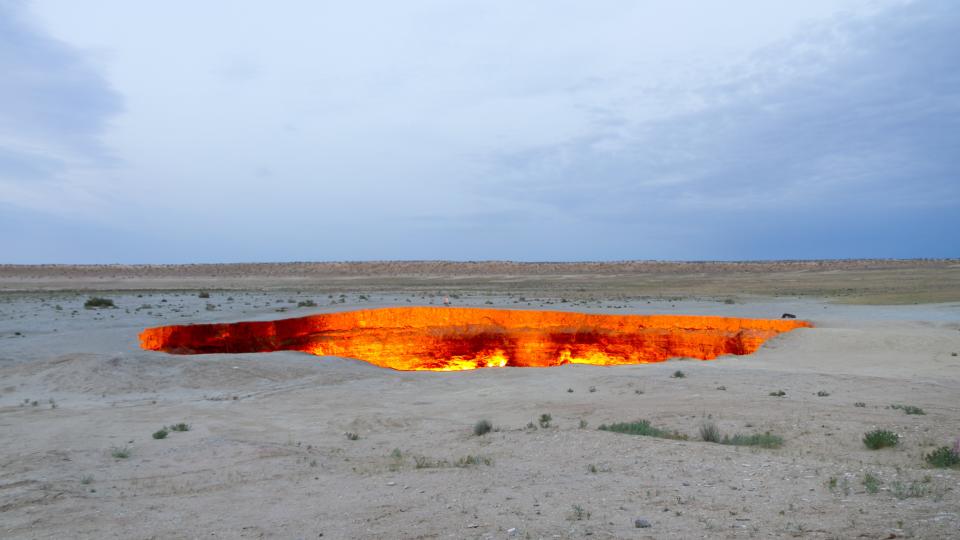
552 130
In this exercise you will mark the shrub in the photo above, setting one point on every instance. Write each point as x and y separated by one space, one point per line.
180 427
642 427
823 393
907 491
545 420
307 303
860 404
943 457
909 409
678 374
120 453
763 440
203 294
778 393
352 436
871 482
471 460
709 432
482 427
880 438
96 302
579 514
160 434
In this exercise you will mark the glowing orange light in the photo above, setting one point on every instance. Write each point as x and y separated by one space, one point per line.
450 339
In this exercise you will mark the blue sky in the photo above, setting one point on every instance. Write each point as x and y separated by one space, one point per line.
609 130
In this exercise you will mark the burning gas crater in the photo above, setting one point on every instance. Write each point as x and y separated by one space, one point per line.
447 339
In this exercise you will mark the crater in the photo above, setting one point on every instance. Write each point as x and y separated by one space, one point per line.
448 338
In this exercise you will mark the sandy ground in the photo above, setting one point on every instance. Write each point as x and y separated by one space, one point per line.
267 455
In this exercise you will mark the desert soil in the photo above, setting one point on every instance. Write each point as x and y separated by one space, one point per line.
267 454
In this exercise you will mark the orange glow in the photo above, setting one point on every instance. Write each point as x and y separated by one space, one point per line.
450 339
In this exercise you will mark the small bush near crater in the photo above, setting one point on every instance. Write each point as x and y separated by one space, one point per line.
642 427
909 409
880 438
482 428
943 458
97 302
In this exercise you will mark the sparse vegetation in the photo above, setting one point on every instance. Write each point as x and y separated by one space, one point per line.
762 440
545 420
97 302
908 491
203 294
709 432
121 452
180 427
86 479
909 409
678 374
871 483
943 457
823 393
424 462
160 434
351 436
860 404
583 423
482 427
880 438
642 427
579 513
778 393
306 303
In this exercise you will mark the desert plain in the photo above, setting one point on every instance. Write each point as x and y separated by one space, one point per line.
289 445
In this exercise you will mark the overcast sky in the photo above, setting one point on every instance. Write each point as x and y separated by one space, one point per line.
235 131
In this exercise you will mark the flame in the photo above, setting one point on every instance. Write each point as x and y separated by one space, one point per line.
454 339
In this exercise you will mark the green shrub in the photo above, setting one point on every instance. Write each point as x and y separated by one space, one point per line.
763 440
709 432
909 409
97 302
180 427
678 374
943 457
642 427
545 420
880 438
871 483
482 427
160 434
120 453
352 436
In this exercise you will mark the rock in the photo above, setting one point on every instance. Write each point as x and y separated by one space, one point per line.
788 316
641 523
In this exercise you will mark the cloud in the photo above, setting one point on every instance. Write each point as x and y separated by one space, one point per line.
54 107
857 117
